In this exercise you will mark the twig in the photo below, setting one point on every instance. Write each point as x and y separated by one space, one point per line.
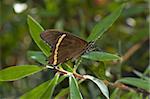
132 50
118 85
62 71
115 85
125 87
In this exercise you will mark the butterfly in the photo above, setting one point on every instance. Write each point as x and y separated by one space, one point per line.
64 46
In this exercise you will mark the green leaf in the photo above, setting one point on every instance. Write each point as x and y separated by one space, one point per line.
37 92
37 56
62 93
49 92
100 85
136 95
61 78
74 89
67 67
140 83
141 75
147 70
103 25
129 95
35 31
18 72
42 90
115 94
99 70
140 35
100 56
134 10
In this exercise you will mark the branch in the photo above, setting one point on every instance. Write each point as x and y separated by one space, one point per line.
132 50
64 72
125 87
115 85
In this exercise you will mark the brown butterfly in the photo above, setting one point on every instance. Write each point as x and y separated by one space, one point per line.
64 45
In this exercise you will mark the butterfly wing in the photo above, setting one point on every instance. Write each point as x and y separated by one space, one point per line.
69 47
50 37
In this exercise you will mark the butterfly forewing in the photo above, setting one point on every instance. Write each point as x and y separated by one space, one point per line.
69 47
50 37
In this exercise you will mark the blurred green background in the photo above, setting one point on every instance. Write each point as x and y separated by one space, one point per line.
128 37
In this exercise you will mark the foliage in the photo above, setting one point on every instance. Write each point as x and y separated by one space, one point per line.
51 14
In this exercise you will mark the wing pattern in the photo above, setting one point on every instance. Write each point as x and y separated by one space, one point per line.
68 46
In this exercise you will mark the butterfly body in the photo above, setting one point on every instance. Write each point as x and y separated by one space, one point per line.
64 45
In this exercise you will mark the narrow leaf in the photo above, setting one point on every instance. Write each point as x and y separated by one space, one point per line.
37 56
74 89
100 56
99 70
18 72
103 25
100 85
140 83
67 67
42 90
140 75
49 92
35 31
61 78
62 93
37 92
147 70
134 10
115 94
